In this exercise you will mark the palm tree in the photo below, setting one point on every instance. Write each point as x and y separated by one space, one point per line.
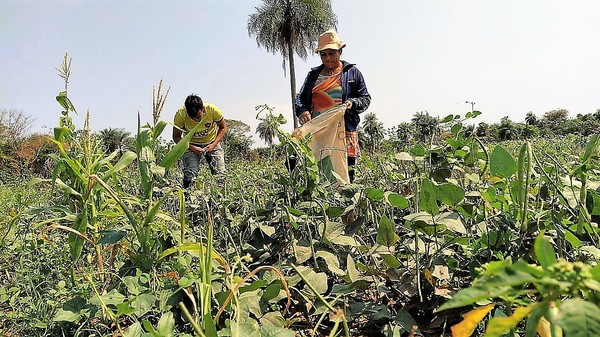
288 27
401 134
268 125
113 139
373 130
426 126
530 119
507 129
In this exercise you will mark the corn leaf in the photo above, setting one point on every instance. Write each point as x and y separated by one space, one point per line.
179 149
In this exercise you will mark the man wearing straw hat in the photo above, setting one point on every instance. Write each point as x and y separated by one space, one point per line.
333 83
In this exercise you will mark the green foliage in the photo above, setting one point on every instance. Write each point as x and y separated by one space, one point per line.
555 289
110 245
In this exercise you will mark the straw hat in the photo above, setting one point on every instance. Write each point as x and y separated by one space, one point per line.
329 40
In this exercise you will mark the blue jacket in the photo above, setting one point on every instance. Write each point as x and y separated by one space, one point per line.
353 89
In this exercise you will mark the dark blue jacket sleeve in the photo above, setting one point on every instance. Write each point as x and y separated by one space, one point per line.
359 95
304 97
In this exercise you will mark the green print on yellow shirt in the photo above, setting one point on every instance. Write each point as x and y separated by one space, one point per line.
207 132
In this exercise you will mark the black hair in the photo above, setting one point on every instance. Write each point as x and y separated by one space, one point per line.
193 104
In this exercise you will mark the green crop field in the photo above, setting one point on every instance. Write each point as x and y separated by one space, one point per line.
449 235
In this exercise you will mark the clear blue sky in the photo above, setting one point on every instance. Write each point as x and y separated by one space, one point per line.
509 57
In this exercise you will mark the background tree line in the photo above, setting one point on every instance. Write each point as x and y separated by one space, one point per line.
23 153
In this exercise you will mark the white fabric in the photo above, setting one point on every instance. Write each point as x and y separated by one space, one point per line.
328 141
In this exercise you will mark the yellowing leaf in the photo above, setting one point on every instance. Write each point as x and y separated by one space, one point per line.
428 276
543 328
470 320
499 326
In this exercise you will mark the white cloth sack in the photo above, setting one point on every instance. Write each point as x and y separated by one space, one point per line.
328 143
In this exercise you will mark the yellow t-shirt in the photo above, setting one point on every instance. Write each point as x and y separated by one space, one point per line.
207 133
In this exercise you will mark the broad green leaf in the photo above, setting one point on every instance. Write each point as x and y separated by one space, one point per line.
391 261
166 325
386 235
125 308
427 200
447 119
148 326
134 330
374 194
474 294
333 264
499 326
470 321
71 311
253 286
502 164
449 194
275 331
544 251
250 328
272 291
110 237
452 221
302 253
61 134
397 200
572 239
593 200
66 316
456 128
334 233
578 318
113 297
143 303
418 150
249 302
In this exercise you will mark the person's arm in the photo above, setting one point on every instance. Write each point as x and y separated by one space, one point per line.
220 134
302 102
178 135
359 97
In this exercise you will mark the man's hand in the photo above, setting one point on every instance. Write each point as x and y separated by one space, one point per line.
210 147
197 150
304 117
348 105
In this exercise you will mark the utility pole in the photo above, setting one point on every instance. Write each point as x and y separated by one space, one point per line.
472 105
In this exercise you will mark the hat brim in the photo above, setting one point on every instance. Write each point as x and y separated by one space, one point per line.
333 46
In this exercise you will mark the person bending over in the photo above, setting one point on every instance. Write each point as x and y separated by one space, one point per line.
207 139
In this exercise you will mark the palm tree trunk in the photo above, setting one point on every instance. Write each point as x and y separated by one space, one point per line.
292 81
